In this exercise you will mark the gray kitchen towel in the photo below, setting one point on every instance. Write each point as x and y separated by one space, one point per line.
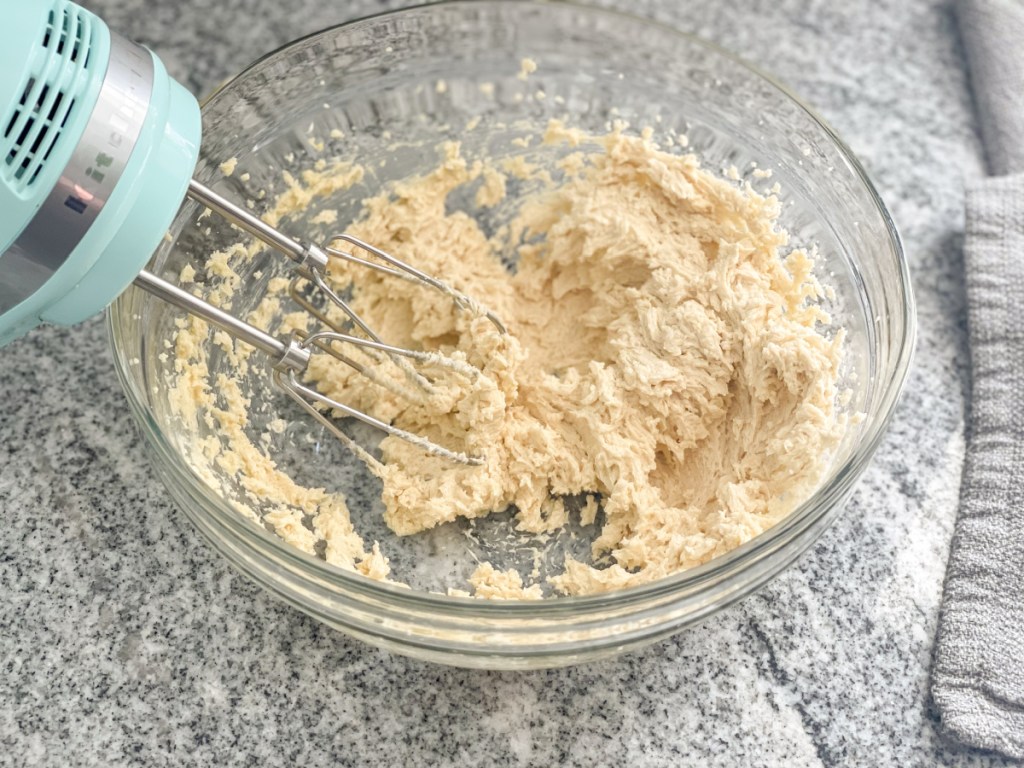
993 37
978 671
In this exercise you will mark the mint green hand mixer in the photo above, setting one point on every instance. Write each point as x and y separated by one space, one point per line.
97 151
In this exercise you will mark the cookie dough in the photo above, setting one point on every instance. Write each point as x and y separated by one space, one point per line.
667 364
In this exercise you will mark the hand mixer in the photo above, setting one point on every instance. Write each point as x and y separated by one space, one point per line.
97 152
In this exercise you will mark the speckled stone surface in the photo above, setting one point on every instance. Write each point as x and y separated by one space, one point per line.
124 641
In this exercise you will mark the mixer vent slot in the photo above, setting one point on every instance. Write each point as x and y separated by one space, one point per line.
48 99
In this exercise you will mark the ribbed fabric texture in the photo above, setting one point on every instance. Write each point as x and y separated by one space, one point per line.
978 674
978 677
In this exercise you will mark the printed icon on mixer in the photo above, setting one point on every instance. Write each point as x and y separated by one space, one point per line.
103 161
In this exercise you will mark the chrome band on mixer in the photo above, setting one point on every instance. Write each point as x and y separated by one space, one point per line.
90 177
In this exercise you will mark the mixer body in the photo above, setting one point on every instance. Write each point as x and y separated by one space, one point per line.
97 147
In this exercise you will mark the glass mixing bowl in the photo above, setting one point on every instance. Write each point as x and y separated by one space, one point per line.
380 91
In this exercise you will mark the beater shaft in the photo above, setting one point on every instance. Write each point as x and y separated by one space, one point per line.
291 358
309 257
287 355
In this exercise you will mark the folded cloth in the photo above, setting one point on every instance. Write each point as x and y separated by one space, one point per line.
978 671
993 37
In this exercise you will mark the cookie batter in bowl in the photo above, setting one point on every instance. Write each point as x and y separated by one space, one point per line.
669 380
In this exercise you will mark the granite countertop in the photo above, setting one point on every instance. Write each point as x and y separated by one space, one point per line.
125 641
